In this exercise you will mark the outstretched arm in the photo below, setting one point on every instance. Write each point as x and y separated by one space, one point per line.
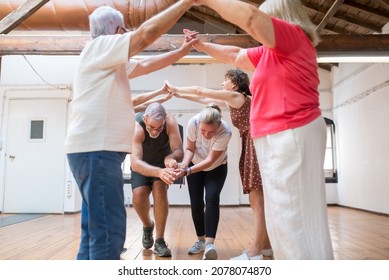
201 100
142 107
228 54
245 15
205 95
142 98
157 62
155 27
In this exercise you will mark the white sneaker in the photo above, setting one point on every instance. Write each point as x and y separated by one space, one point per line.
267 252
210 252
245 257
198 247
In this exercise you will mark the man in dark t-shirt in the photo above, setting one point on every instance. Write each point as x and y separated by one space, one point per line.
157 146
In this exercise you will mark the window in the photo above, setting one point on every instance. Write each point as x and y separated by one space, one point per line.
37 130
329 159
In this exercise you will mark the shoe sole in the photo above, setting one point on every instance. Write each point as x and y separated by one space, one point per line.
148 246
163 255
195 253
210 255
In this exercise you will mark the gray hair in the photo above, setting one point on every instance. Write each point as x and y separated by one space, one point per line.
293 12
211 114
156 111
105 21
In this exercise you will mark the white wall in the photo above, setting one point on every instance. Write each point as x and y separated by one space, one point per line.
361 127
48 71
361 99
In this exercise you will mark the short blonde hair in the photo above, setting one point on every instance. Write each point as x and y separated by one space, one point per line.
211 114
293 12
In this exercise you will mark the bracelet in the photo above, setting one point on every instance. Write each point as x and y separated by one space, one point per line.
188 171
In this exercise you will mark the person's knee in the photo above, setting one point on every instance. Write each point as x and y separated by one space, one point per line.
140 194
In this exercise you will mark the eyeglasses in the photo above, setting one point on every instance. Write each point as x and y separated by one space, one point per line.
122 30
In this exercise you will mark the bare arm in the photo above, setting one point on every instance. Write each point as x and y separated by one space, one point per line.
175 143
201 100
207 162
157 62
142 107
189 153
138 165
142 98
227 54
156 26
247 16
231 98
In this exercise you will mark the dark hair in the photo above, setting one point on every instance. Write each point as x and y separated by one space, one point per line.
239 78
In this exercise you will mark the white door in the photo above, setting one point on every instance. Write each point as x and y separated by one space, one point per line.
35 159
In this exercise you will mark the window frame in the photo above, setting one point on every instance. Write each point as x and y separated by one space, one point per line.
331 175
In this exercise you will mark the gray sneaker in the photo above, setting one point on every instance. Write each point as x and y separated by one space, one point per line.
210 252
161 249
198 247
147 238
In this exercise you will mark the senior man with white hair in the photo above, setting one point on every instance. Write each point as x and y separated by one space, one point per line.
102 120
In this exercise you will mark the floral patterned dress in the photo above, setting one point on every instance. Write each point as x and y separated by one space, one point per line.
248 163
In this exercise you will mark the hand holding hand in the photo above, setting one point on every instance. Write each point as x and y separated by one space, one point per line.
168 175
170 88
190 40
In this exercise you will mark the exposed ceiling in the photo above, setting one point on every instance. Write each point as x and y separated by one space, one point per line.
330 16
345 25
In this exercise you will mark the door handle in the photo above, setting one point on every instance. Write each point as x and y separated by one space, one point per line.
12 157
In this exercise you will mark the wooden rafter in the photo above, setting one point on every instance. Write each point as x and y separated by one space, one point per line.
16 17
72 45
364 8
330 13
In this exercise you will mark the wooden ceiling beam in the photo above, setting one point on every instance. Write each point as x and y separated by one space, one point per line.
330 13
364 8
16 17
324 22
72 45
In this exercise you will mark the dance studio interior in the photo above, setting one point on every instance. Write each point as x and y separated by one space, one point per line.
40 203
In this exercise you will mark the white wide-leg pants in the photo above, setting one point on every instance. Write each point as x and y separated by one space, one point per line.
291 164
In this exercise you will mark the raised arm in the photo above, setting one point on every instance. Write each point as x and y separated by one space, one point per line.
245 15
156 26
157 62
229 54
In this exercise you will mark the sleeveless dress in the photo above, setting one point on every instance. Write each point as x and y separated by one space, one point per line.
248 163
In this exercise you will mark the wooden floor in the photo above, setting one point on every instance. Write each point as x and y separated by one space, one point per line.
356 235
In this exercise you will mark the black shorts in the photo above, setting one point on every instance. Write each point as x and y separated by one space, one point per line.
138 180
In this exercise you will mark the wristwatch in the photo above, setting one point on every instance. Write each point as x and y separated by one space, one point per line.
187 171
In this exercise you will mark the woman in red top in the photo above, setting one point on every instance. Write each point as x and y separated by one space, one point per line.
286 124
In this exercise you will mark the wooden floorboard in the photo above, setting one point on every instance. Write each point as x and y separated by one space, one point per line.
355 234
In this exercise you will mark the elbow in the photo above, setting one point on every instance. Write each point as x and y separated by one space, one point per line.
180 155
134 166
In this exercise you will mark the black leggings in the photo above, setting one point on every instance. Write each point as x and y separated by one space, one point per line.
212 181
